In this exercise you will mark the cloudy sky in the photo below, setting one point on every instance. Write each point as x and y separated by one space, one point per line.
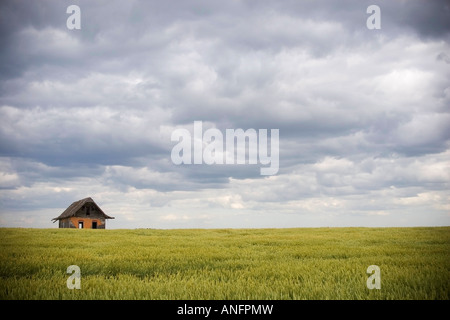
363 115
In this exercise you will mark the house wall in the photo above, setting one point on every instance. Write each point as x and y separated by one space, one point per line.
65 223
88 214
87 222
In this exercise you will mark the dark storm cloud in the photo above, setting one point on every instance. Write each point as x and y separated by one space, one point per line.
430 19
443 57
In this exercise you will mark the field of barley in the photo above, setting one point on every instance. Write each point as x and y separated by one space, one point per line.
298 263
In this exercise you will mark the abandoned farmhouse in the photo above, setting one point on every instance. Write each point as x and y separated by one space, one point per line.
83 214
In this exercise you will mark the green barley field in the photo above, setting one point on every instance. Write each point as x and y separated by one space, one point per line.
298 263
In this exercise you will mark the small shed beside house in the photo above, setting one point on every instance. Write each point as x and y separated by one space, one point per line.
83 214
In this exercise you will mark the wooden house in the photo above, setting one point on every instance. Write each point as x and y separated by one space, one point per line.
83 214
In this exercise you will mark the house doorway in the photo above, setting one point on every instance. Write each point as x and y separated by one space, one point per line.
94 224
80 224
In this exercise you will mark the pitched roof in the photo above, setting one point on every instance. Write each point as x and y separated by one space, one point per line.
74 207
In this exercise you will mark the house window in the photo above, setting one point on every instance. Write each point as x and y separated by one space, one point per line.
88 211
80 224
94 224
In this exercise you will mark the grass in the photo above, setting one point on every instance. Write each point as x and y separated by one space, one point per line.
312 263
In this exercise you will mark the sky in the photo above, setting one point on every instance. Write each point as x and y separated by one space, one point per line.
363 114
